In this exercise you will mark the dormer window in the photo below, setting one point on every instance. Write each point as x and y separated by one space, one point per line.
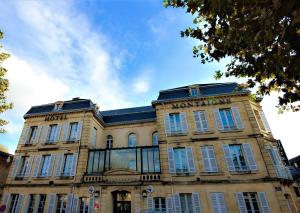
58 106
194 91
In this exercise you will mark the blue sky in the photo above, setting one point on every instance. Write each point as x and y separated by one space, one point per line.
118 53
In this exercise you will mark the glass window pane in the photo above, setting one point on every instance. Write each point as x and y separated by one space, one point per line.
155 139
123 159
96 161
145 160
90 163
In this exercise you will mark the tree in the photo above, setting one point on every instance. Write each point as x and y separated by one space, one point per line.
260 37
3 87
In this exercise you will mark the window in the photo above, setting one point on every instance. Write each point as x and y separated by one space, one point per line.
262 120
186 203
52 133
194 91
209 159
175 123
36 203
14 203
132 140
24 166
46 160
218 202
58 106
94 136
227 119
180 160
61 205
252 202
83 204
32 135
237 156
160 204
200 121
141 159
73 131
155 139
68 164
109 142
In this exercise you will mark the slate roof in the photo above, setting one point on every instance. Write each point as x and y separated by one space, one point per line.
205 90
135 114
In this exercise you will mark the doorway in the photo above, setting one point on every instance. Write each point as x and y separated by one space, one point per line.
121 201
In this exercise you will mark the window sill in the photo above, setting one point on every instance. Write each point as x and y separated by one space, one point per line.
50 143
65 177
211 173
182 174
20 178
28 144
245 172
177 134
231 130
41 178
203 133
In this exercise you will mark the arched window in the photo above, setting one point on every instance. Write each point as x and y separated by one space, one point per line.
109 142
131 140
154 139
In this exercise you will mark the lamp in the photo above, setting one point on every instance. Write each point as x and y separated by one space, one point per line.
144 193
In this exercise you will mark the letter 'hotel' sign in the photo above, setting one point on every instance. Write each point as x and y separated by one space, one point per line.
207 102
56 117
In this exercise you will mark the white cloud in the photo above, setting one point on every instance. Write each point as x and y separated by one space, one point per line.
141 84
284 126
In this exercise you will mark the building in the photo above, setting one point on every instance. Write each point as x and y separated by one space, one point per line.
295 171
198 148
5 163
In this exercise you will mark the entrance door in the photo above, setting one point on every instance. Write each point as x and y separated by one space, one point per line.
122 202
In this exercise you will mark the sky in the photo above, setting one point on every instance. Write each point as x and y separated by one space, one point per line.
118 53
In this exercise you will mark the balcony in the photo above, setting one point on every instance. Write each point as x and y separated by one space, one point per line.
121 178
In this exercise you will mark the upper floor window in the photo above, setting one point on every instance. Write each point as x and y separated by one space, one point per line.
181 160
132 140
32 135
209 159
58 106
194 91
66 165
239 157
262 121
155 139
24 166
175 123
109 142
201 121
228 119
45 168
73 131
52 133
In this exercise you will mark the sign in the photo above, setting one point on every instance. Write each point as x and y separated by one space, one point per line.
207 102
96 205
91 189
149 189
56 117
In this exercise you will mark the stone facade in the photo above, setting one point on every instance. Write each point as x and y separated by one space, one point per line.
221 159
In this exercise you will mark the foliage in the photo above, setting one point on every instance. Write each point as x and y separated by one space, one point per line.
4 84
261 37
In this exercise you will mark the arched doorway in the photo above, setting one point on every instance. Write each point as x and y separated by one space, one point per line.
121 202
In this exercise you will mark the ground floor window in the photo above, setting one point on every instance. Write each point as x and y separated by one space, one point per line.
186 203
13 203
61 203
84 204
36 203
251 202
160 204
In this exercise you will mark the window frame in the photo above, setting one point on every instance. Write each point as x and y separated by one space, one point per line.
52 133
227 125
188 201
32 135
155 138
43 164
248 199
233 150
72 134
160 204
67 169
130 135
109 141
180 157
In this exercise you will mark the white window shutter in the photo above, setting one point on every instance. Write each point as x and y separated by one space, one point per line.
19 203
190 159
69 203
74 164
264 120
65 131
171 160
16 166
249 156
183 122
28 169
177 205
25 136
167 123
228 159
27 203
203 120
37 166
237 117
51 165
37 135
264 202
277 162
59 166
218 119
6 199
79 130
45 135
241 202
52 203
169 205
75 204
196 202
94 137
57 133
218 202
209 159
91 205
150 203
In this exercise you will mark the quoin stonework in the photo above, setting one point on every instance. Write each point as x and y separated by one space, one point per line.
198 148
